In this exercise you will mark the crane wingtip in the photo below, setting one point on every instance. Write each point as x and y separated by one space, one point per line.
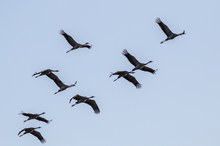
43 140
138 86
158 20
62 32
125 51
97 111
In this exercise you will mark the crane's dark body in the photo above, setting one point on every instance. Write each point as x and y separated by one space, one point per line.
82 99
128 77
35 116
32 131
170 35
73 43
55 78
137 64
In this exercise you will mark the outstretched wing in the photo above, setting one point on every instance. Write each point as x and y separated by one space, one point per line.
164 27
69 39
93 104
42 119
38 135
132 79
21 131
130 58
27 114
120 73
55 78
79 97
148 69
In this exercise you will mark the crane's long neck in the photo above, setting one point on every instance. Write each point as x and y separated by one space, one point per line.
131 72
37 127
41 113
148 62
54 70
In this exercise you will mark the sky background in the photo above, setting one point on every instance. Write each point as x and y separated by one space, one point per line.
178 106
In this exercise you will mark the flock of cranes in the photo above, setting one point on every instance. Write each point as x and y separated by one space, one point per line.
88 100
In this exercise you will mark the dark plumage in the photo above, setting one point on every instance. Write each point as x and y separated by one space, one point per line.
128 77
87 100
73 43
32 131
44 72
137 64
35 116
170 35
55 78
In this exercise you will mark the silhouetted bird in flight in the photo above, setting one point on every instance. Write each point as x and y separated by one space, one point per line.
32 131
87 100
170 35
35 116
137 64
73 43
128 77
49 73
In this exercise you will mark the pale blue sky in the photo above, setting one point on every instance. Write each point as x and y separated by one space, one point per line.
178 106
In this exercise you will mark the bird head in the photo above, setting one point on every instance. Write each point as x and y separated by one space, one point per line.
73 84
55 70
91 96
21 113
37 127
131 72
148 62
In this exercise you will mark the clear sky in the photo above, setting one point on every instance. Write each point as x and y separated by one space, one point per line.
178 106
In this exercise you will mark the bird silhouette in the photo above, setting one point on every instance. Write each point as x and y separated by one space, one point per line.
170 35
83 99
137 64
128 77
56 80
32 131
73 43
35 116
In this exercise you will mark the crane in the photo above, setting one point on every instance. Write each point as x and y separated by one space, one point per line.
170 35
73 43
128 77
35 116
32 131
83 99
55 78
137 64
